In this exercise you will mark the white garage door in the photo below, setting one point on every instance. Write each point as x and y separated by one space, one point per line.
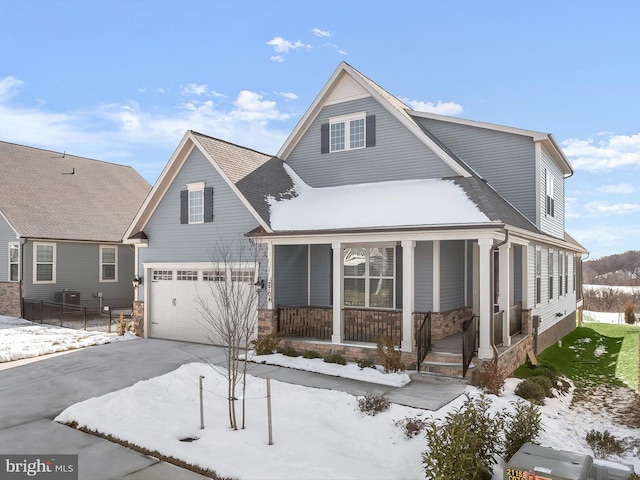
175 295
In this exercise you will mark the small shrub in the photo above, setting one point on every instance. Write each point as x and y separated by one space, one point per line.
629 314
123 326
311 354
411 426
335 358
604 444
547 370
266 345
365 363
522 425
490 378
634 476
374 403
390 358
531 390
288 351
462 446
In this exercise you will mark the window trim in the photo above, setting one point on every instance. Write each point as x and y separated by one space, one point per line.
367 277
538 275
192 188
549 194
35 280
115 264
550 266
13 244
560 274
347 119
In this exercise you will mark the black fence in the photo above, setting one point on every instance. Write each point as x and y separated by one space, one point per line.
79 317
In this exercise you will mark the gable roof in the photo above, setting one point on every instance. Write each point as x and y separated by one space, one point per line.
394 106
52 195
250 174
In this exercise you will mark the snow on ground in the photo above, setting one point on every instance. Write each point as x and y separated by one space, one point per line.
603 317
318 434
20 338
369 206
617 288
351 370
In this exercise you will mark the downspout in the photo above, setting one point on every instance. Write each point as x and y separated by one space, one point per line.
494 248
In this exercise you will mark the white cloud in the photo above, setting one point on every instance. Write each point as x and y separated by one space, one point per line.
282 47
288 95
342 52
571 206
336 48
615 151
252 107
193 89
602 207
9 87
321 33
442 108
160 90
621 188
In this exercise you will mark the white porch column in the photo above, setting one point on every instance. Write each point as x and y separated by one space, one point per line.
485 309
435 306
504 300
338 289
270 275
408 256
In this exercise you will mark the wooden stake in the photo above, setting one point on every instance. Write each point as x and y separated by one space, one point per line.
201 406
269 410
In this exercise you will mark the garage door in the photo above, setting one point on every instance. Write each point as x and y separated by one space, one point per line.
175 311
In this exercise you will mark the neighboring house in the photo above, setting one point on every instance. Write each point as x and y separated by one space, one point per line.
62 219
375 220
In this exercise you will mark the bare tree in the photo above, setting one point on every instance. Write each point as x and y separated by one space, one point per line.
229 310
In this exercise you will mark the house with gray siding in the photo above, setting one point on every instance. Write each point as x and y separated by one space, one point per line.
372 220
62 220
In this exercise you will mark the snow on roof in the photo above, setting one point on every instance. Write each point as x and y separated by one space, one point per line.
372 205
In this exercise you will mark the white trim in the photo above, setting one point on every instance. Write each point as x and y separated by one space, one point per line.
35 263
485 301
9 262
435 271
346 121
100 264
338 292
196 265
190 191
408 294
309 274
270 274
195 186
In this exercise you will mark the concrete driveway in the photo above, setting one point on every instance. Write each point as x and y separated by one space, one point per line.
32 395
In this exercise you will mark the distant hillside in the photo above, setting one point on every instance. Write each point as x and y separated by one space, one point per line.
620 269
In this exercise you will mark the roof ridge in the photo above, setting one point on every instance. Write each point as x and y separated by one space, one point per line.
232 144
65 154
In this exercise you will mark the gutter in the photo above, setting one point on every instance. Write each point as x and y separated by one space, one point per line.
494 249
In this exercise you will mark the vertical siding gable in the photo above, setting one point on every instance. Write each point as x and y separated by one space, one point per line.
397 154
551 225
169 241
505 160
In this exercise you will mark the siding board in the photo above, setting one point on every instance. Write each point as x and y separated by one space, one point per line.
451 275
397 155
291 275
551 225
321 275
423 280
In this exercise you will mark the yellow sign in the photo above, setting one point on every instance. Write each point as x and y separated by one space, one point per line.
514 474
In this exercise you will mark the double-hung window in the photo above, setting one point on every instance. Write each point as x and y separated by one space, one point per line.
560 274
44 266
549 195
551 268
347 133
369 277
566 273
196 202
14 262
108 263
538 261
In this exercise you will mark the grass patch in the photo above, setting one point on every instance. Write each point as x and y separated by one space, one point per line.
594 355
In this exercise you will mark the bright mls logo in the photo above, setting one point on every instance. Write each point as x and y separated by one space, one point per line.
50 467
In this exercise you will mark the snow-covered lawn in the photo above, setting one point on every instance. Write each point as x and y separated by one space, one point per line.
20 338
351 370
318 434
603 317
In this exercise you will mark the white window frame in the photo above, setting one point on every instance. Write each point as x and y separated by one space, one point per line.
560 274
551 267
549 200
115 264
15 245
347 119
367 277
538 276
192 189
36 263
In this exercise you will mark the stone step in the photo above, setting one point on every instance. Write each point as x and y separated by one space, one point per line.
443 357
444 368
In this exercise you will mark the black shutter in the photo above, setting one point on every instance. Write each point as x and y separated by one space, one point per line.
324 138
184 206
371 131
208 204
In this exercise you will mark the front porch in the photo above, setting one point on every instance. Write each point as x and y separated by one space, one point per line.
441 300
446 342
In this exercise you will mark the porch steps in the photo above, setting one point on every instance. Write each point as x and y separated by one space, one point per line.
444 363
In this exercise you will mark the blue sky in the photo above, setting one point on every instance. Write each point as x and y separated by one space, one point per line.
122 80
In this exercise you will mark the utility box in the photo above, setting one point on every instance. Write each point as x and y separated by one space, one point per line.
67 296
533 462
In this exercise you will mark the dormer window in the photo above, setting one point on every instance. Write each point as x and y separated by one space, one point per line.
348 132
549 200
196 204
